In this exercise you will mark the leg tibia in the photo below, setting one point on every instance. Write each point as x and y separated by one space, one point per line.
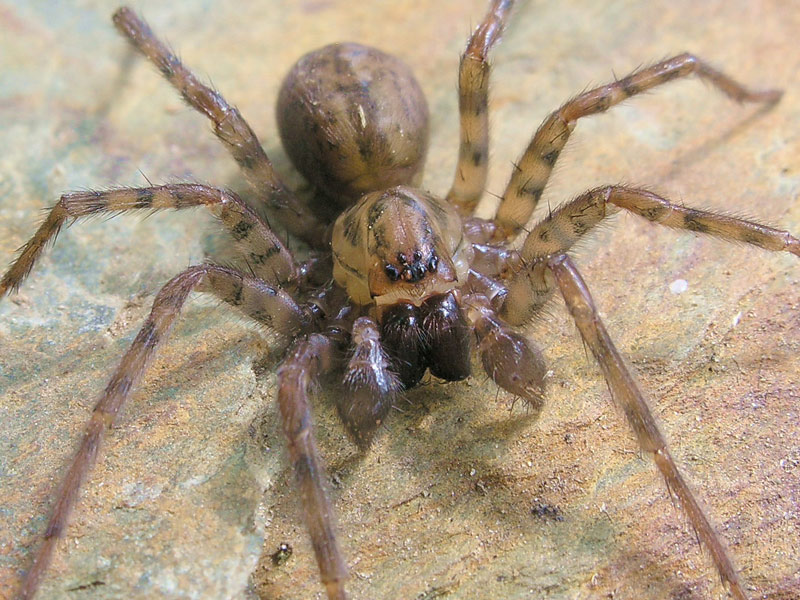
473 107
166 308
230 128
659 210
265 253
307 359
602 98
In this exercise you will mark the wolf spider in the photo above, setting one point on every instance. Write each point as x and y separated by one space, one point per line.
400 282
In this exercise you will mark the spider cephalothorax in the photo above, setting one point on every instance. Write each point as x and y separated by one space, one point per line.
401 281
401 244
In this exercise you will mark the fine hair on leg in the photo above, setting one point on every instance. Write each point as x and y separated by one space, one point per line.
269 306
263 250
626 394
229 126
532 171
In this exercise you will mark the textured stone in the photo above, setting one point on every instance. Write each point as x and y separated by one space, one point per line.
459 497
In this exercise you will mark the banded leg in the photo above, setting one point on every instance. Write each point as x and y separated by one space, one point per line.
270 306
230 127
625 393
568 223
371 386
265 253
473 107
533 170
307 359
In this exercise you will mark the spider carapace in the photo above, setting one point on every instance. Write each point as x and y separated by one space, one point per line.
400 281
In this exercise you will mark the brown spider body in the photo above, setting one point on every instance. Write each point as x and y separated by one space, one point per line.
414 275
399 244
353 120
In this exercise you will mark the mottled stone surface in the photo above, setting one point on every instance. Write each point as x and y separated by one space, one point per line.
459 497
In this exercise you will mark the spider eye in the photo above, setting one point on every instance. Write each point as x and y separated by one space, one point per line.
433 262
392 272
417 256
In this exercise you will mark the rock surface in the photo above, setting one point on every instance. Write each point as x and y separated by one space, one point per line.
468 497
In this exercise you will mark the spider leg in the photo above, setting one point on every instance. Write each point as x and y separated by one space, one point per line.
307 359
266 254
626 393
560 230
371 385
230 127
269 306
473 104
569 222
533 170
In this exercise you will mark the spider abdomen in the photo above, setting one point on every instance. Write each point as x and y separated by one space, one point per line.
353 120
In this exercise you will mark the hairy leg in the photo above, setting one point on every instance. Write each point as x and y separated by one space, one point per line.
558 232
269 306
626 393
561 229
307 359
473 106
230 127
535 166
265 253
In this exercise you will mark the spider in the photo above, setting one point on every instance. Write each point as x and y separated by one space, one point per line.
410 272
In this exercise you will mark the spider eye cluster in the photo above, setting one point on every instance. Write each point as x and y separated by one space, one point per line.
400 244
414 270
